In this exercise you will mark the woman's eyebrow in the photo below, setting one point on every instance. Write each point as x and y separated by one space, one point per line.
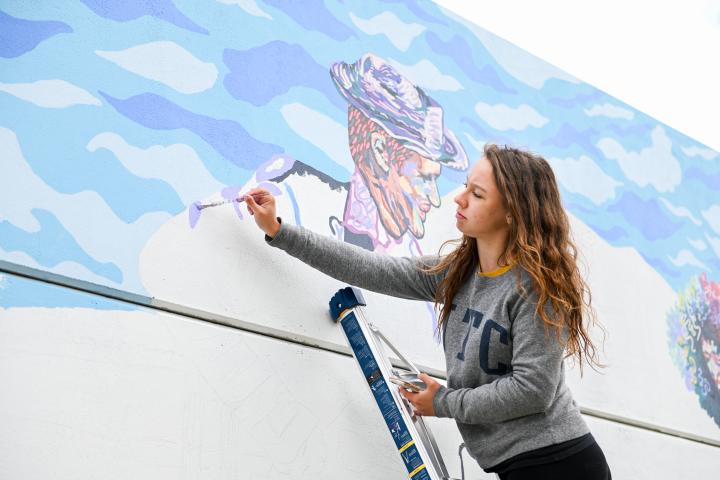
467 181
479 187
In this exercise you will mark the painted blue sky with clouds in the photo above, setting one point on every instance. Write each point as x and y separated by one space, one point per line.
89 90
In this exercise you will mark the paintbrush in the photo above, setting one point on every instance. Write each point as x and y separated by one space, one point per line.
202 205
195 209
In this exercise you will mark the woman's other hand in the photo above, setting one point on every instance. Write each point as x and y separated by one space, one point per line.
422 402
261 205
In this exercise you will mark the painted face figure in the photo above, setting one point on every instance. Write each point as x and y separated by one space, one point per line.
402 183
481 211
399 143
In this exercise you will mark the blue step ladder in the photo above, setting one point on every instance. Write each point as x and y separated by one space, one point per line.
413 439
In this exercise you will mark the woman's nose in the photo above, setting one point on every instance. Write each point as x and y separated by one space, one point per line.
459 200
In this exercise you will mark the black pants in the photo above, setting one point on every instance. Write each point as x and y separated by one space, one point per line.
587 464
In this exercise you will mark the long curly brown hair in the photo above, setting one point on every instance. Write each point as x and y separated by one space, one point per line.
538 241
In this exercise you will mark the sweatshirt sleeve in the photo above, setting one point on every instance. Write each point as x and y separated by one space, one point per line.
382 273
528 389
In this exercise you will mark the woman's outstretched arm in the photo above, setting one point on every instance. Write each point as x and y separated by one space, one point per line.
382 273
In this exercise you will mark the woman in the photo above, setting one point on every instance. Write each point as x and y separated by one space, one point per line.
511 303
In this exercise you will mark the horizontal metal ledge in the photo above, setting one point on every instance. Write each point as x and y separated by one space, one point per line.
591 412
283 335
188 312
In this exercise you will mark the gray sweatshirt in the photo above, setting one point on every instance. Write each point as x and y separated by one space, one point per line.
506 380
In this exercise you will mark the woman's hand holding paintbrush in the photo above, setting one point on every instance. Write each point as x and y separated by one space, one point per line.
261 205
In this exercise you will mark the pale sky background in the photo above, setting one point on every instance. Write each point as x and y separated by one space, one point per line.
661 57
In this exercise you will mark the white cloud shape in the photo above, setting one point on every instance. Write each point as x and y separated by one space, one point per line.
249 6
698 244
522 65
85 215
50 93
584 177
680 211
165 62
177 164
695 151
686 257
503 117
609 110
654 165
712 216
714 243
320 130
399 33
427 76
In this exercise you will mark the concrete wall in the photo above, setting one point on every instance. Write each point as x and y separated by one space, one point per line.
116 117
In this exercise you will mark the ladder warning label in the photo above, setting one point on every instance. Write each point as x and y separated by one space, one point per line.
384 399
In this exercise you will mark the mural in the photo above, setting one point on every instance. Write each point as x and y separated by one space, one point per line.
116 118
398 144
694 330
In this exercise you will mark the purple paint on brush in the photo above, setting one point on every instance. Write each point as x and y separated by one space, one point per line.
194 214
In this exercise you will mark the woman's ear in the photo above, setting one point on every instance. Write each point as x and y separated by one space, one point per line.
508 218
379 151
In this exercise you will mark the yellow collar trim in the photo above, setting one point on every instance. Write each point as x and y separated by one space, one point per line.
495 273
